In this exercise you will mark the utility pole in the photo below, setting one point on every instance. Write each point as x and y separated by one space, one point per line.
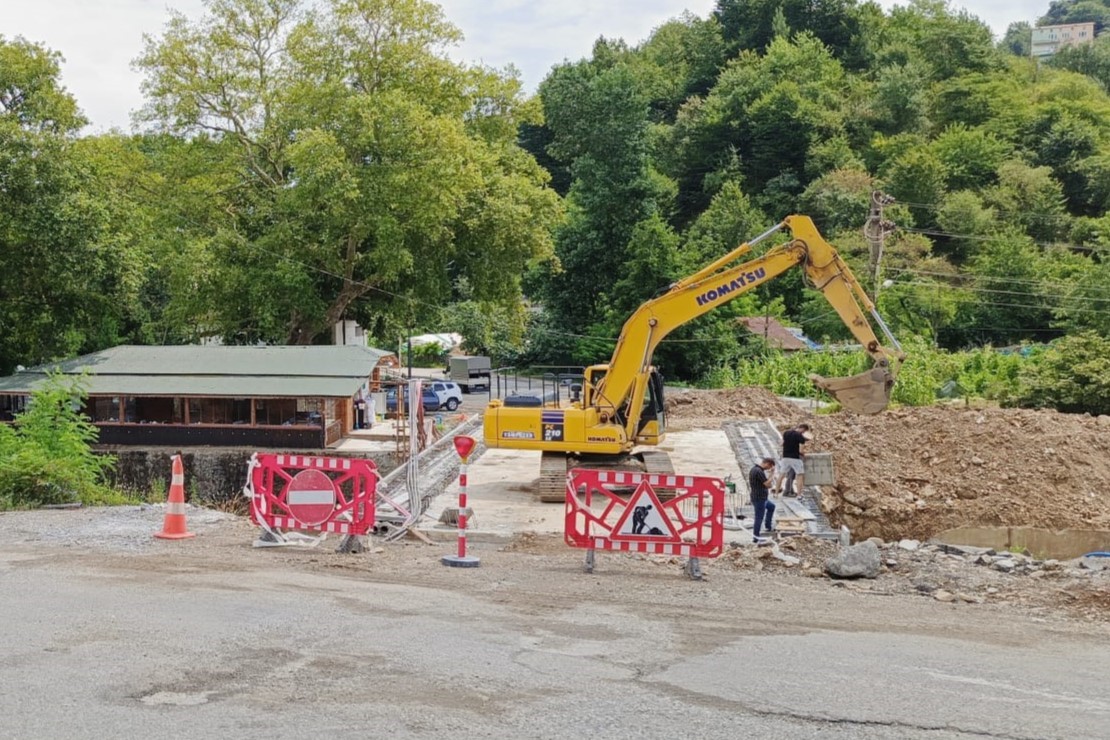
875 231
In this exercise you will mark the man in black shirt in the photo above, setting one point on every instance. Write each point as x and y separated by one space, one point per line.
792 457
759 480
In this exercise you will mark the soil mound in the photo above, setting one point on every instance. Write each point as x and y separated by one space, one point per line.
917 472
697 409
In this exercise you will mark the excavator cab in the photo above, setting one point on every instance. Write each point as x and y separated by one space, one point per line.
652 426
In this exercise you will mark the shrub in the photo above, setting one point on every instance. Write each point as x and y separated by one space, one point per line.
46 456
1072 376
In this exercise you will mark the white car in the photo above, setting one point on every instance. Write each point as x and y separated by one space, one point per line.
449 394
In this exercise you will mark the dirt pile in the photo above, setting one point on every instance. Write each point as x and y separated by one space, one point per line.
697 409
917 472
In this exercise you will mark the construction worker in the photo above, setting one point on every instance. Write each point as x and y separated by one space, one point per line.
792 465
759 481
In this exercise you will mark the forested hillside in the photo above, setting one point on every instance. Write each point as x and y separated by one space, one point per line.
676 150
305 162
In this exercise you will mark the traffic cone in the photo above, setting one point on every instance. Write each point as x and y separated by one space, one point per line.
173 527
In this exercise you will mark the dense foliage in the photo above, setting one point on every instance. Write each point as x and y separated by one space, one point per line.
46 455
999 166
301 162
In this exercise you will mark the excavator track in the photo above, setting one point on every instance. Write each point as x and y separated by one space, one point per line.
552 485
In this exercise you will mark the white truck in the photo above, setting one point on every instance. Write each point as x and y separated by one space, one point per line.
471 373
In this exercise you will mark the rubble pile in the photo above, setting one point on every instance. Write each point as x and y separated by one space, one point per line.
698 409
915 472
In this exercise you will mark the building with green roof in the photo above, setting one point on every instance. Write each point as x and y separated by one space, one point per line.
270 396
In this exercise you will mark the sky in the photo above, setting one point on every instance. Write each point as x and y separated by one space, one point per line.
100 38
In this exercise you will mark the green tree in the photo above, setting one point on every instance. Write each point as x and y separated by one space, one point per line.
69 276
599 120
1072 376
1018 39
373 172
839 24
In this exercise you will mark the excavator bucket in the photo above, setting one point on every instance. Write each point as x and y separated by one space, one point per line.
866 393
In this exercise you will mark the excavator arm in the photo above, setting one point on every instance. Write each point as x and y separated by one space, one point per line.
623 381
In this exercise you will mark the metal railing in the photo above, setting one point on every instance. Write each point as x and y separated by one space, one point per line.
551 383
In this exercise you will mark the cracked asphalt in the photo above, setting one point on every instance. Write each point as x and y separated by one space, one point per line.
211 639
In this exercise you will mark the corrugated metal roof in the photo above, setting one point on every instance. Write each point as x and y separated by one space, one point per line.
317 371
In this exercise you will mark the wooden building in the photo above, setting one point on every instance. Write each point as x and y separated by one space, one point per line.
286 396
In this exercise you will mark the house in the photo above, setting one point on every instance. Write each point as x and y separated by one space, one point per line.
776 334
284 396
1047 40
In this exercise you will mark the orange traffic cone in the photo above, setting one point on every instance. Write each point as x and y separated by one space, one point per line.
173 528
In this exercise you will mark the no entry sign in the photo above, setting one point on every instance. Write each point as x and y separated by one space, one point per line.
325 494
311 497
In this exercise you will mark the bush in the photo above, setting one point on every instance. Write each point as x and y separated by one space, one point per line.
980 373
1072 376
46 456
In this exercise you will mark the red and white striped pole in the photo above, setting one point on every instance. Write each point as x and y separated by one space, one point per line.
464 446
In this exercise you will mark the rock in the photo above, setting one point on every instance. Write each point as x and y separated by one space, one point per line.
984 559
968 598
1005 565
1052 565
992 590
1094 563
877 540
976 460
1038 574
891 563
909 545
1104 420
945 596
862 560
789 560
813 573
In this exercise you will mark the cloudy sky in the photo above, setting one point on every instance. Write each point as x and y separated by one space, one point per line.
99 38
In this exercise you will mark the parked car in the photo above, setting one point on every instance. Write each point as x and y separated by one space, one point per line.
450 394
428 399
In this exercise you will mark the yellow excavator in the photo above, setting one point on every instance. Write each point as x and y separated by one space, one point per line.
619 405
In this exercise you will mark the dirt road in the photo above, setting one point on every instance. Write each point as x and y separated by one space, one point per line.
107 633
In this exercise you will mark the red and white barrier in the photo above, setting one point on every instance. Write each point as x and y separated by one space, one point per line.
301 492
602 515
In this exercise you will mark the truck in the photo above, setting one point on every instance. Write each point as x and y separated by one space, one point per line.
470 372
617 409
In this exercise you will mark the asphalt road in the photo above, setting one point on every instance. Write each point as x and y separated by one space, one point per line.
303 645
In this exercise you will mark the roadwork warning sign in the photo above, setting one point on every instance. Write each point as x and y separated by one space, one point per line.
644 519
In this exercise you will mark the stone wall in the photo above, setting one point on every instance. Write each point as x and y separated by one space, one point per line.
212 474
